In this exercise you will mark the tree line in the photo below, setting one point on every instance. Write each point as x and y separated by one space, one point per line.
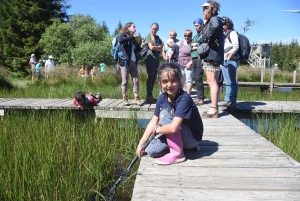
43 27
286 56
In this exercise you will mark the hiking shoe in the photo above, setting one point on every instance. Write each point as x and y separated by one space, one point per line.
125 101
199 101
138 101
223 103
150 100
231 105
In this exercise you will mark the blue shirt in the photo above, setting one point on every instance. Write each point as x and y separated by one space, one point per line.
184 107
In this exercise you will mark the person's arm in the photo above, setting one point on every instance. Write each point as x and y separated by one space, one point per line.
164 55
235 45
214 28
125 38
153 47
189 64
147 133
171 54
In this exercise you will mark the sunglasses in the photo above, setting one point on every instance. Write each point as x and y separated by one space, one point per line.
204 8
186 36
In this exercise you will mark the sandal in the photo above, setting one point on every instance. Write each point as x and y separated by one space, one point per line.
208 115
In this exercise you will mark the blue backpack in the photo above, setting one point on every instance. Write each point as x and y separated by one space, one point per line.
117 51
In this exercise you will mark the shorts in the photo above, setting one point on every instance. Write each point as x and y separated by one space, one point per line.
209 66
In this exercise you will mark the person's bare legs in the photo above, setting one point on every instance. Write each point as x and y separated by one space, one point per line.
188 89
214 90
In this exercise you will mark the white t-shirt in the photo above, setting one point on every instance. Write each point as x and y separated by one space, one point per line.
49 64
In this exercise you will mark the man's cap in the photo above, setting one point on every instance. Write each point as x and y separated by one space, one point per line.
51 57
32 55
198 21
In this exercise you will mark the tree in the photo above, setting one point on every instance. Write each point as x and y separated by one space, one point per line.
247 24
81 41
22 24
58 40
117 30
105 28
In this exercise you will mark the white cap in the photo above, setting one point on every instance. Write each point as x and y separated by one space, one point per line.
32 55
205 4
51 57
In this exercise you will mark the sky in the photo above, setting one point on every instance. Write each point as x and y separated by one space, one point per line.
273 25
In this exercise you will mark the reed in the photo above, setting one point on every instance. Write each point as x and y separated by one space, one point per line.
59 155
283 130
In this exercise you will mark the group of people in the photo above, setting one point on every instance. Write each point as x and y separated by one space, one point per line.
213 50
84 72
176 118
36 66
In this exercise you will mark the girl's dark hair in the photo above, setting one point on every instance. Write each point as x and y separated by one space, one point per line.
79 96
229 23
167 67
125 28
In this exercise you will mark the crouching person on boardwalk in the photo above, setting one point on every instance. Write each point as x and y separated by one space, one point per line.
82 100
176 117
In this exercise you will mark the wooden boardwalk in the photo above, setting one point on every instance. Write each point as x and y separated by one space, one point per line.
234 162
113 108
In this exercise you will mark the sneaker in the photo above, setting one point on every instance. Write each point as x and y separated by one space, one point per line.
138 101
125 101
199 101
150 100
223 103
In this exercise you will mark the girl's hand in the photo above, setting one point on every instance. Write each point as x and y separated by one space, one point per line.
139 151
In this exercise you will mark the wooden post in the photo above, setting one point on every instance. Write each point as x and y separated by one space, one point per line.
272 81
262 75
294 77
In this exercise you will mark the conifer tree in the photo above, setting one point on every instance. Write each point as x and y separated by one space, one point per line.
22 23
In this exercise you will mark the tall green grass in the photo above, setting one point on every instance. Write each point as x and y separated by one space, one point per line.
283 130
61 155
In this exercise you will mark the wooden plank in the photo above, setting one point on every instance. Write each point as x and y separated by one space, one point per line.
225 183
219 171
209 194
123 114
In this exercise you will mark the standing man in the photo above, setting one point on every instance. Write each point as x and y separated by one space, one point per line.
49 66
166 48
197 62
33 62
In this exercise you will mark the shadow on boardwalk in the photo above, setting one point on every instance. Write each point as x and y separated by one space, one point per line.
207 148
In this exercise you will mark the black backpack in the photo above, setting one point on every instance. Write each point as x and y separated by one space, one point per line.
244 46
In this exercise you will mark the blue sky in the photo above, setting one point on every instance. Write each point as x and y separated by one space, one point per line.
273 24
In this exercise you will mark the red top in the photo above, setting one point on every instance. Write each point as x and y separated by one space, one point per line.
89 101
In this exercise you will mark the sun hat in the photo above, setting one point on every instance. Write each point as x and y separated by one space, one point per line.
32 55
198 21
205 4
51 57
